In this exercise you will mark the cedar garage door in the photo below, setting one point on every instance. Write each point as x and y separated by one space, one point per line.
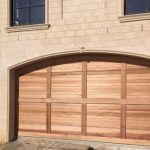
105 99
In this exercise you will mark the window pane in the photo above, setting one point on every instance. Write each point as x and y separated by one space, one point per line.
21 16
22 3
37 15
37 2
137 6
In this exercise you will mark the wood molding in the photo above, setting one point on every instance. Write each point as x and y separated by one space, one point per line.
84 119
123 81
32 130
65 132
84 79
48 118
134 101
49 77
123 96
123 122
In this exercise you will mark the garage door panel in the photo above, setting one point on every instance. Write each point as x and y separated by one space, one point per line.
71 67
66 129
138 121
66 117
138 81
94 98
99 83
138 134
103 66
66 108
66 81
103 122
33 89
33 95
33 85
32 116
38 74
103 117
103 132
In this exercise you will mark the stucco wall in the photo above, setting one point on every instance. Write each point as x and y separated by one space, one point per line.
92 24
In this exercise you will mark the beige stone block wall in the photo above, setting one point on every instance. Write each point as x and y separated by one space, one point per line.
92 24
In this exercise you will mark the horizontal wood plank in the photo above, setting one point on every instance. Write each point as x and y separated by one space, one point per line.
85 98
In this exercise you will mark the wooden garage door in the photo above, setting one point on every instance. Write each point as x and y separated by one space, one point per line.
105 99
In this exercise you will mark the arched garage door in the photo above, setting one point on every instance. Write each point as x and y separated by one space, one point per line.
98 98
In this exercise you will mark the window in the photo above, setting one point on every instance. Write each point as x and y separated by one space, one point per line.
137 6
28 12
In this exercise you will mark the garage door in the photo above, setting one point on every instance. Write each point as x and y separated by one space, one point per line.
90 98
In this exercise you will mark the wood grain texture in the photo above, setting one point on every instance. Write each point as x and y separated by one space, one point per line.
84 79
32 116
93 98
66 81
138 122
138 81
33 85
48 115
84 119
66 117
123 80
103 120
49 80
123 121
103 80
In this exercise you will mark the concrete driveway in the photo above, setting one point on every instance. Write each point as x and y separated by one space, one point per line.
28 143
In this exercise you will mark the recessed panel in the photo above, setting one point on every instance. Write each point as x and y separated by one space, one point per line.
67 81
32 116
138 122
103 80
66 118
33 85
138 81
103 120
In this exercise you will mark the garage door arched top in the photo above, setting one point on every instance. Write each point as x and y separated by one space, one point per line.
71 57
86 95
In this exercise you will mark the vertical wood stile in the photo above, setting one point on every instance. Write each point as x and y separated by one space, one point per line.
123 121
123 96
84 96
49 77
48 121
84 119
123 81
84 79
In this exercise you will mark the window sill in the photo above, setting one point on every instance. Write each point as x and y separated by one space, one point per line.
27 28
134 17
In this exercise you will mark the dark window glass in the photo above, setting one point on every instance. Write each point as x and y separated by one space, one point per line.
22 3
137 6
27 12
39 12
22 16
37 2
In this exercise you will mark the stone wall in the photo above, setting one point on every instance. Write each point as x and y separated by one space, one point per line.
92 24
